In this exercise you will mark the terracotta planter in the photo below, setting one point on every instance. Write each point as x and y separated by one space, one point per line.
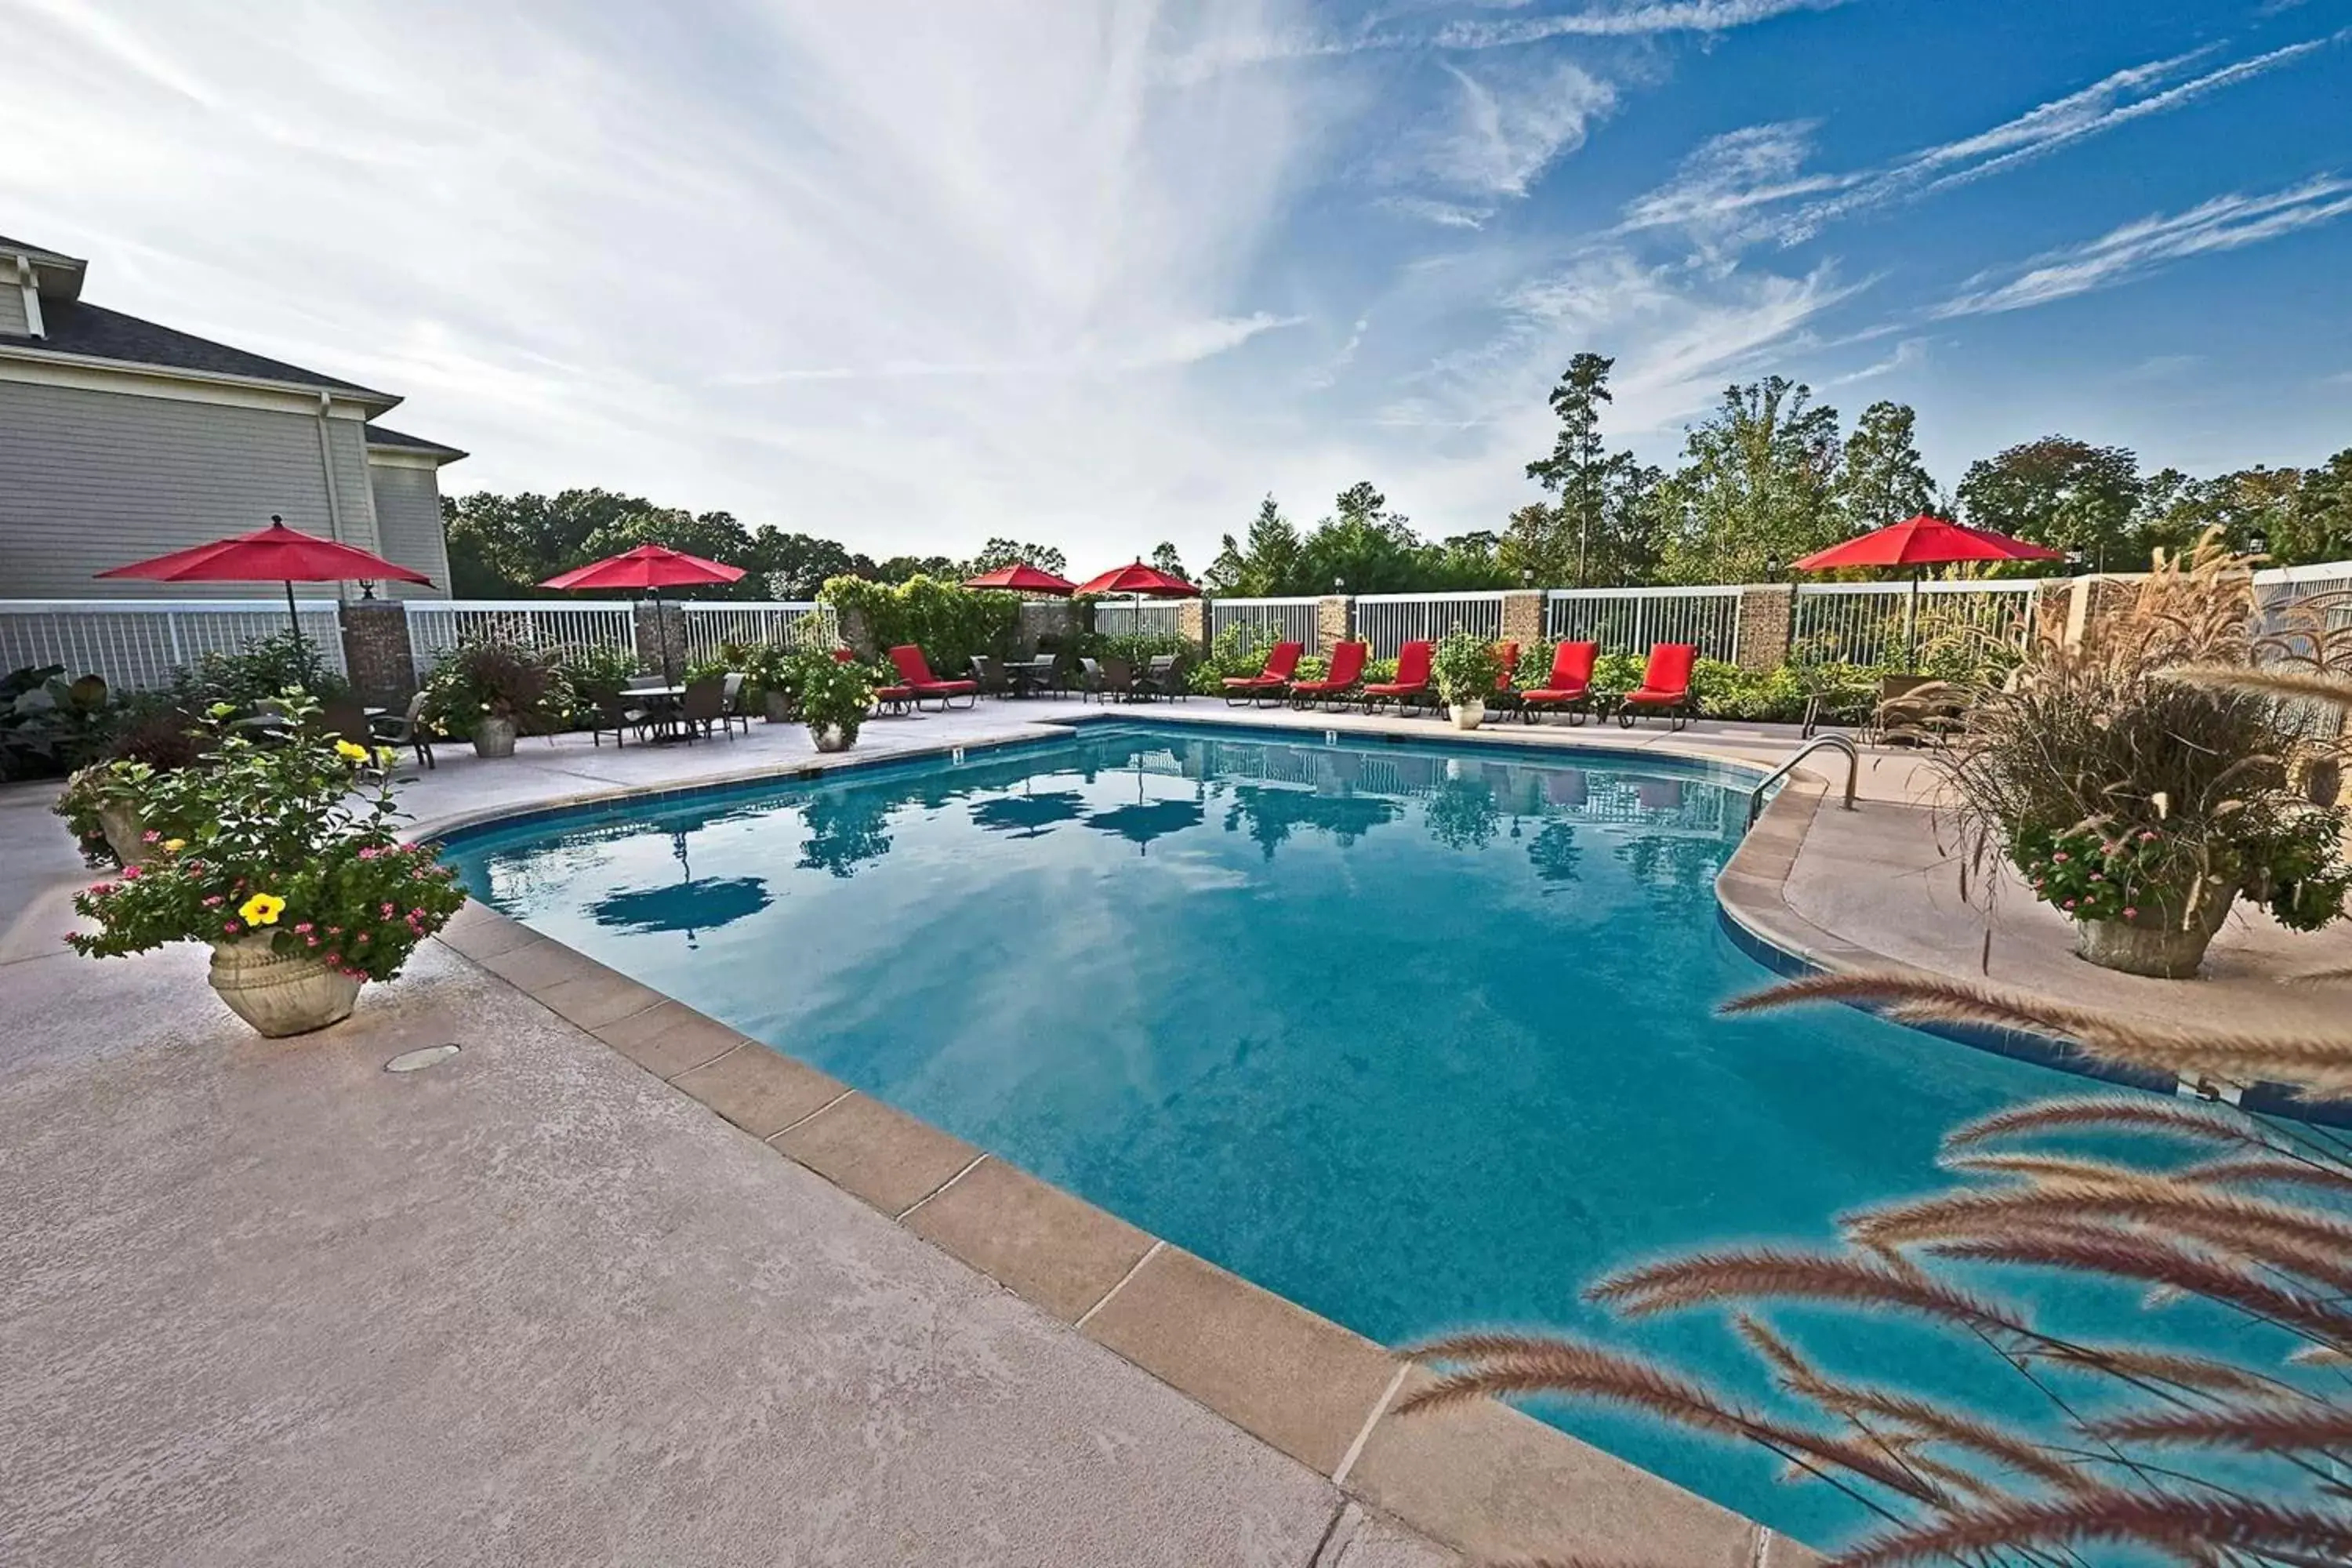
279 995
830 737
125 834
1469 715
2160 944
494 738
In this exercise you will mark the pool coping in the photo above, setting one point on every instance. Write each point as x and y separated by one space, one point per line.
1483 1478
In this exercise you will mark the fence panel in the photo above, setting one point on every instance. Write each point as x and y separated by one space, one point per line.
138 647
1632 620
709 627
1387 621
435 626
1153 617
2281 592
1872 622
1270 621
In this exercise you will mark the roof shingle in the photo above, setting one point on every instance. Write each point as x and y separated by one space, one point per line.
93 332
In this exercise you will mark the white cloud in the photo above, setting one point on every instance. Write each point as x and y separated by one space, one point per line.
1445 215
1908 353
1510 126
1723 188
2225 223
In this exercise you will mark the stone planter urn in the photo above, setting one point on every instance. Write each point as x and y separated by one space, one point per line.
779 706
2162 943
125 834
279 994
494 737
1468 715
830 737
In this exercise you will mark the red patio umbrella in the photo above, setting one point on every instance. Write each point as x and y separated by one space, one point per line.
1140 580
648 569
1918 543
1022 578
273 555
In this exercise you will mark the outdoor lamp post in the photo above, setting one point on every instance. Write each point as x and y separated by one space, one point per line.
2076 560
1338 584
2258 542
1771 567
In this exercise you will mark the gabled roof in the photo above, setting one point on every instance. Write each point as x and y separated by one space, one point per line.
91 332
38 252
383 436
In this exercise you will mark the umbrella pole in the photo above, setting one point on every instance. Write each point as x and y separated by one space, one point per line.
294 619
1911 626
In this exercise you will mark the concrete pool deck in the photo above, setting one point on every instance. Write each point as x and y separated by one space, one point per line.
538 1304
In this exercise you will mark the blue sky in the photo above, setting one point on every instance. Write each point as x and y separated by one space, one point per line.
911 274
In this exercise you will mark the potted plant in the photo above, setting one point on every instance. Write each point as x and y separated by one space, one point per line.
773 670
489 687
835 698
2142 803
1465 669
294 877
101 802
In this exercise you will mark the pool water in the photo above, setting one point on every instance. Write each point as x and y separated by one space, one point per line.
1421 1039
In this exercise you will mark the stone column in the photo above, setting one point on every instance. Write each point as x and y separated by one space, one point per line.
376 652
1767 619
1057 619
656 618
1192 624
1335 619
1523 617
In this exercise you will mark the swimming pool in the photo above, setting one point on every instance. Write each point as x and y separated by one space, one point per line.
1418 1037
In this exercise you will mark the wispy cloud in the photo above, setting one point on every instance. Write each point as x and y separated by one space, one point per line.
1908 354
2225 223
1510 126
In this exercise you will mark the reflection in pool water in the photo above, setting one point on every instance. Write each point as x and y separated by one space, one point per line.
1419 1039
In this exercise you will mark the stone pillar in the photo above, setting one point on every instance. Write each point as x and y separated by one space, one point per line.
1768 620
658 620
1057 619
1192 623
855 635
1523 617
376 652
1335 619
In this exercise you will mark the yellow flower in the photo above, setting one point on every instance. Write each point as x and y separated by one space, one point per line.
355 751
262 910
175 845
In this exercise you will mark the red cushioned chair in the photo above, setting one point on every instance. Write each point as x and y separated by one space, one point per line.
1568 689
1273 680
1506 682
914 674
1334 689
1411 680
1665 686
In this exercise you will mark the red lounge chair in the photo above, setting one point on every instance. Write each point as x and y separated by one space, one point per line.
1568 689
1347 672
914 674
1665 686
1271 681
893 699
1506 682
1412 678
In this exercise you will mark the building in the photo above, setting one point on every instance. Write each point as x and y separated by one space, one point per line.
120 439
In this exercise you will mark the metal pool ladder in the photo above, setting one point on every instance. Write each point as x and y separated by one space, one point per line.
1837 742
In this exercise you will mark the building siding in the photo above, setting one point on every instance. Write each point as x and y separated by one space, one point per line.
91 480
12 302
409 520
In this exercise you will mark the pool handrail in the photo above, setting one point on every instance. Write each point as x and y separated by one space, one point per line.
1853 768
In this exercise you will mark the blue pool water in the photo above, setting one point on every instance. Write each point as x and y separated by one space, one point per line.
1420 1039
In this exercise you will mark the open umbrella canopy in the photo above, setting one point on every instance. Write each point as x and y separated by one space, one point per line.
1147 580
648 566
1925 541
273 555
1022 578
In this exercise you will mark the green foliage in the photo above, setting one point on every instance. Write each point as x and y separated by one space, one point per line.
491 676
1882 478
1757 483
1596 531
949 621
1464 667
1238 650
278 839
999 554
1363 546
2064 493
598 669
50 723
264 667
833 694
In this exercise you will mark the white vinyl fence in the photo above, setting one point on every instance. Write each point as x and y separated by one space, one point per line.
1124 617
1633 620
1874 623
138 647
436 625
1387 621
1270 621
709 628
2287 595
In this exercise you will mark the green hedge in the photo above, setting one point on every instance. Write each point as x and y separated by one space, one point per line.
948 621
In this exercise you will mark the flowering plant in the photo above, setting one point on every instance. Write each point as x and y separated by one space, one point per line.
2288 858
275 839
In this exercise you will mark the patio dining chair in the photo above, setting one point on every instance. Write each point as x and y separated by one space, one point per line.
407 729
1117 679
615 717
989 675
733 713
703 706
1163 677
1089 678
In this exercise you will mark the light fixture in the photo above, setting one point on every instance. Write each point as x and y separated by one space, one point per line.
1771 567
1528 575
2074 558
367 588
2258 542
1338 584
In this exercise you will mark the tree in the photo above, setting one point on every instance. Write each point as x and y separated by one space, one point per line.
1758 483
998 554
1165 559
1882 478
795 565
898 568
502 547
2062 493
713 536
1578 471
1267 565
2319 523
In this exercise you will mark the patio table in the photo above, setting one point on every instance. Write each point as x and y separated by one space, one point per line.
661 710
1031 675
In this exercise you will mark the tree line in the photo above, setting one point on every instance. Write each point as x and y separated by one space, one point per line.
1771 474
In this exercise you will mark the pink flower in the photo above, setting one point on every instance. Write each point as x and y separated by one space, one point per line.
151 836
2097 878
131 873
370 853
2040 881
214 901
334 958
302 928
312 941
229 926
2148 836
387 911
365 939
416 914
2062 857
102 889
334 930
2130 914
411 849
2070 903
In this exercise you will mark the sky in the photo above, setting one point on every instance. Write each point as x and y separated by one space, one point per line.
912 274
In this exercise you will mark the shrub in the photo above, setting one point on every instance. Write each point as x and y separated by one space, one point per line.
491 676
1464 667
272 839
833 694
264 667
950 623
49 725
